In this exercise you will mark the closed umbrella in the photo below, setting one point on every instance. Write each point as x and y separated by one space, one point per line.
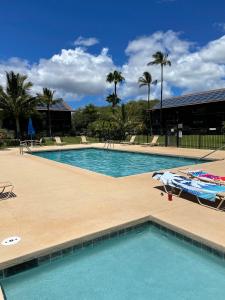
30 129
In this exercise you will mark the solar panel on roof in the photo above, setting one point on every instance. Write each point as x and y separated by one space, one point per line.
57 106
198 98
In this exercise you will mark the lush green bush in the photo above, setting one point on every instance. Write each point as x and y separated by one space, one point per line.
9 143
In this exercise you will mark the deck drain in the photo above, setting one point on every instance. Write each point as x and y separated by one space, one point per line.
12 240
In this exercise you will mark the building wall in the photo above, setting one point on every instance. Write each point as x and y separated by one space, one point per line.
193 117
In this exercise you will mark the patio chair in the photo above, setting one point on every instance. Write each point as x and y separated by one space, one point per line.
38 142
58 141
83 139
6 189
130 142
154 142
201 190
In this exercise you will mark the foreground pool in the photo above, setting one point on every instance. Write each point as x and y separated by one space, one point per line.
146 263
115 163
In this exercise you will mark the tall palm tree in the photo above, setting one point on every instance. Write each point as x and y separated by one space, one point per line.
47 98
146 80
161 59
113 100
115 77
15 99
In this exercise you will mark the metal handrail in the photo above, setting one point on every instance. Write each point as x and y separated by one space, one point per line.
3 292
23 145
204 156
108 144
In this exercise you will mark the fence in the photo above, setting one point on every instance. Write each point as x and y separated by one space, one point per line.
195 141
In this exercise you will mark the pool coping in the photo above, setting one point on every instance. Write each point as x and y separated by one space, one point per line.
51 254
124 150
117 150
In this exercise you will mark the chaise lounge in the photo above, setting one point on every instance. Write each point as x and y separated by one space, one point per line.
154 142
130 142
6 189
58 141
84 140
201 190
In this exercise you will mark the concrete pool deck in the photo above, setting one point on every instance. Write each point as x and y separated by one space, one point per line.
57 204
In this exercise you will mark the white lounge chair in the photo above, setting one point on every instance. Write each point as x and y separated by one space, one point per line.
83 139
130 142
154 142
58 141
6 189
201 190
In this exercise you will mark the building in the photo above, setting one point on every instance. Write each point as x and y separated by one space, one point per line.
60 120
60 117
199 112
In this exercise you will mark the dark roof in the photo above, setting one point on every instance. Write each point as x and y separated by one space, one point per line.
61 106
193 99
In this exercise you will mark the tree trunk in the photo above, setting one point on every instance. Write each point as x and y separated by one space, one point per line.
49 121
149 115
161 99
115 89
17 127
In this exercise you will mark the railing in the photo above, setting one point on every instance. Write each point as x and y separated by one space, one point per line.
108 144
2 293
211 152
24 144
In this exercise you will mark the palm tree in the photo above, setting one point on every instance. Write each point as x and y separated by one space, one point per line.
161 59
114 100
115 77
146 80
47 98
15 99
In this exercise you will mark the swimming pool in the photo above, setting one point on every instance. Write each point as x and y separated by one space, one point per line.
146 263
115 163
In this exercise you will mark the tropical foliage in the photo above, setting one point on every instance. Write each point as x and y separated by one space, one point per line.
102 122
116 78
15 99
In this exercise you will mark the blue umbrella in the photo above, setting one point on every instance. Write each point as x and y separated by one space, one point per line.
30 129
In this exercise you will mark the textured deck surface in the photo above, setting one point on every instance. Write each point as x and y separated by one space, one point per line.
57 203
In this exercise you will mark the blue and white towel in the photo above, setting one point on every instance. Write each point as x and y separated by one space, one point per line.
200 189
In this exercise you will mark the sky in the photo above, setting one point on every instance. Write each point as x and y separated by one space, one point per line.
70 46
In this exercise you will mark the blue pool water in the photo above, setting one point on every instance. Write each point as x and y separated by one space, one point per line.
115 163
142 265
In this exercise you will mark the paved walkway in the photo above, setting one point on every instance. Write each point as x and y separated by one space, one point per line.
57 203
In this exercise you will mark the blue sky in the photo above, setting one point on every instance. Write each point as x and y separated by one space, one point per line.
37 30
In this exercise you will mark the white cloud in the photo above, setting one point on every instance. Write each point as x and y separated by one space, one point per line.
193 68
72 73
87 42
75 73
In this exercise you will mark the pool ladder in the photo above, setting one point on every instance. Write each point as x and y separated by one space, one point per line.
24 144
108 144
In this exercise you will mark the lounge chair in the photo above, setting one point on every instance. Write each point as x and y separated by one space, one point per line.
58 141
6 189
204 176
154 142
83 139
130 142
201 190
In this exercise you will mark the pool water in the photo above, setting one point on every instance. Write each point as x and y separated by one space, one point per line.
144 264
115 163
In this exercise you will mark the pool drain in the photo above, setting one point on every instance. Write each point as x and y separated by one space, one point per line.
12 240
